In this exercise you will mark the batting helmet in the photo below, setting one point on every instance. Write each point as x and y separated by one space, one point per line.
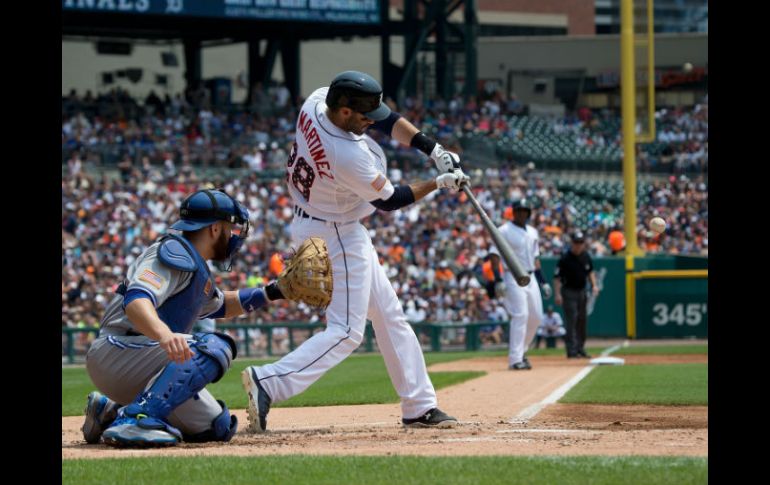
522 204
359 92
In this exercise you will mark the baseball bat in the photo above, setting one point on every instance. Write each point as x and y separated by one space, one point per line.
521 276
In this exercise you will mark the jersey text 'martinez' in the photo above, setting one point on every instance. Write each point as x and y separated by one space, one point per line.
314 145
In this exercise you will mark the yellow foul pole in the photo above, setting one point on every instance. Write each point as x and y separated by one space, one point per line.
628 112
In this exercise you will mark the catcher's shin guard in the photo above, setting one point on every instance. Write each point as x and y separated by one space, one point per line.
143 422
223 428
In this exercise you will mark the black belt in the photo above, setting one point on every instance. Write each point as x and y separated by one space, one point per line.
298 211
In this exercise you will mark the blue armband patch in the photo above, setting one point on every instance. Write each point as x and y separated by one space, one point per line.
252 298
136 293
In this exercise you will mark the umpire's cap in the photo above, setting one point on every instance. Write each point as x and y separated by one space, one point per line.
359 92
205 207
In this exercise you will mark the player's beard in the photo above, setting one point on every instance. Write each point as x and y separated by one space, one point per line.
220 247
352 126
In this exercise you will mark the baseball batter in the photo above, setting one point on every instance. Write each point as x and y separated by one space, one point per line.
145 358
336 176
524 304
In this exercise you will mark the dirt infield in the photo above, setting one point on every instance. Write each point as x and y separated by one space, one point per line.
487 408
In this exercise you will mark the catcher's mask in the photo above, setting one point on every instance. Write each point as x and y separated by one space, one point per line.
205 207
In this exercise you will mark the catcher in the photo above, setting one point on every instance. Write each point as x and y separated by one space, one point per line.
150 372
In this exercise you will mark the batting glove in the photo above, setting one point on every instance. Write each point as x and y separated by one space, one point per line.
462 178
452 180
446 161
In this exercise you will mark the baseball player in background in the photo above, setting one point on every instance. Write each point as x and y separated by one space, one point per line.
145 359
524 304
336 175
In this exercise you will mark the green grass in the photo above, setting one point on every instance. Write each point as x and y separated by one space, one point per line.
663 350
675 384
75 386
374 470
359 379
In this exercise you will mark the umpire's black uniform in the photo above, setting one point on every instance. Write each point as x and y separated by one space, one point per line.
573 270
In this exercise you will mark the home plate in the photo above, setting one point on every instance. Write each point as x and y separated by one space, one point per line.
608 361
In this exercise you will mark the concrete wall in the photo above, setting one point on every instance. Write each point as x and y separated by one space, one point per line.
320 61
524 59
590 53
518 63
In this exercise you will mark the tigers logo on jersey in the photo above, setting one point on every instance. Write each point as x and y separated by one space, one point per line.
152 278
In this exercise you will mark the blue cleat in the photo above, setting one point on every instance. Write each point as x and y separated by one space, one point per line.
100 412
140 431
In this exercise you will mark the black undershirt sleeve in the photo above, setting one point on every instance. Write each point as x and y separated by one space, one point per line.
402 196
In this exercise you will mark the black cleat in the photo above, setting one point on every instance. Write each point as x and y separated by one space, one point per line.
519 366
259 401
435 418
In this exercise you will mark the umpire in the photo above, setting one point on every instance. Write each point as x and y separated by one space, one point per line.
572 271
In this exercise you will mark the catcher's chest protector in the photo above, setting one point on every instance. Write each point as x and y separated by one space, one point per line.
182 310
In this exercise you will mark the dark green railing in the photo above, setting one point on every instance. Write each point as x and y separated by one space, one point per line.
433 330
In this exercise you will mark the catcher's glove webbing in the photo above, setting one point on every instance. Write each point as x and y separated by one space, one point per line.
307 276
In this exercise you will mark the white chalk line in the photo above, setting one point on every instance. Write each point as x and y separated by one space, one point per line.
531 411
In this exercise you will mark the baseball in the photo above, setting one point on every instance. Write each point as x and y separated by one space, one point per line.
657 225
687 67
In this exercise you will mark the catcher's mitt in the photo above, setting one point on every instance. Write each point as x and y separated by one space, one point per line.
307 275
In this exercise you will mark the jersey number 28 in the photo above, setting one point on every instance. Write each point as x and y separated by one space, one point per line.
302 176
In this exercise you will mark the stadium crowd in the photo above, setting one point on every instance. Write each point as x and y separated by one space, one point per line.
432 251
188 130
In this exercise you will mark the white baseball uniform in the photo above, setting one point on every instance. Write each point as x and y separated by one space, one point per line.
332 175
524 304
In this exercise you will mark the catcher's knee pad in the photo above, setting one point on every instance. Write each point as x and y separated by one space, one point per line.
212 354
219 346
222 428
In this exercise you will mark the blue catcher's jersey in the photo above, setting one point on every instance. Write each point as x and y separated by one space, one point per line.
175 278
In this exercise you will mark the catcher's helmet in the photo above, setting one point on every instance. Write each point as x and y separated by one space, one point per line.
205 207
359 92
522 204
